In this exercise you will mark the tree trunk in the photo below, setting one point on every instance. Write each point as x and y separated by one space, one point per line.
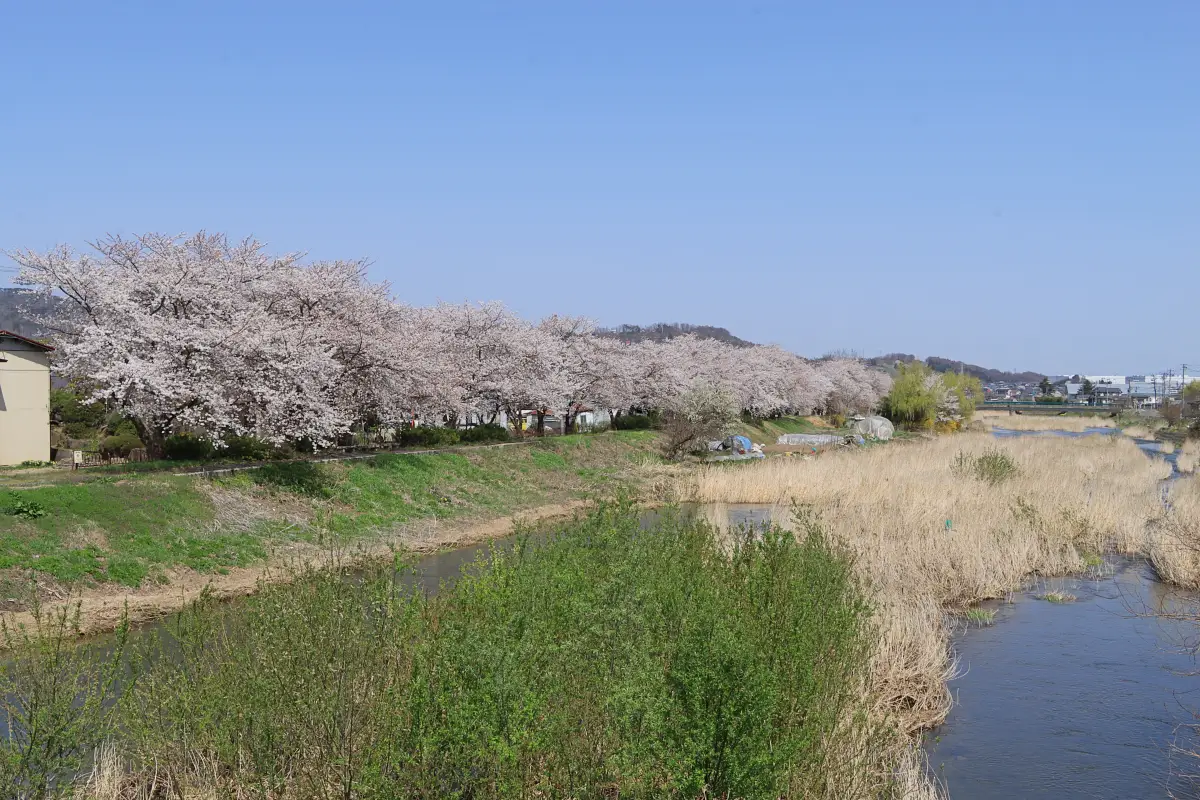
152 437
541 422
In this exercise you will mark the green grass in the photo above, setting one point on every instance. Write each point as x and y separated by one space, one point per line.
119 531
769 430
1058 597
130 528
993 466
981 617
665 663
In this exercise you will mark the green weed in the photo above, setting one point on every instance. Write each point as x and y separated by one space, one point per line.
993 466
662 662
981 617
19 506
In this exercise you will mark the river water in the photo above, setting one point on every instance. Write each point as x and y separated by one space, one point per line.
1091 699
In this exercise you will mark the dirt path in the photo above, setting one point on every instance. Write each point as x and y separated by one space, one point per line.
101 607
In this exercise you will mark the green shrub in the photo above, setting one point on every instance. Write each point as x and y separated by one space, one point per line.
121 426
485 433
670 663
19 506
301 477
635 422
1049 399
428 437
913 398
79 430
80 419
119 445
246 448
187 447
993 466
58 701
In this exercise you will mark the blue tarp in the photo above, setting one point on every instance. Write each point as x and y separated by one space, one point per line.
738 444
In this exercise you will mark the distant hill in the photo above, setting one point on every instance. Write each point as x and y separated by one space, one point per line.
940 364
662 331
13 315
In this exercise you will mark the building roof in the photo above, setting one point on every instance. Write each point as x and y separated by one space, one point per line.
10 335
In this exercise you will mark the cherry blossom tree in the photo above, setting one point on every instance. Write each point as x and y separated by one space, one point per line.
203 334
200 332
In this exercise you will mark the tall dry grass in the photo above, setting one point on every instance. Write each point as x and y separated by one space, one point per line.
1189 456
1042 422
1174 547
929 535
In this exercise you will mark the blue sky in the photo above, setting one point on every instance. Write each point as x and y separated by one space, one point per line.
1012 183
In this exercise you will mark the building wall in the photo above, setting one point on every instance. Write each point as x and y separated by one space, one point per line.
24 405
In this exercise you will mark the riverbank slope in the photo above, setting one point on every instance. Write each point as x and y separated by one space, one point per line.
155 541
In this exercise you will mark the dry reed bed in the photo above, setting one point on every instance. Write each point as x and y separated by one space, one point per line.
1189 456
1174 542
928 537
1042 422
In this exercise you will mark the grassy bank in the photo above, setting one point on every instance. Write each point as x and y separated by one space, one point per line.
603 661
767 431
143 529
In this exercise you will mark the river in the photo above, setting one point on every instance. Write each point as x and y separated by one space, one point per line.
1088 699
1091 699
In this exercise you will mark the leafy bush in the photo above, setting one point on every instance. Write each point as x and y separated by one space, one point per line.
121 426
19 506
79 419
993 466
428 437
119 445
636 422
246 448
58 701
187 447
671 665
1049 399
484 433
300 477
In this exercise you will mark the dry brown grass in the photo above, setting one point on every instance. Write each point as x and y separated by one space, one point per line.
1189 456
1042 422
1175 538
927 538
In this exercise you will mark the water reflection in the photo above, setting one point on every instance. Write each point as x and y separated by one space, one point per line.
1077 700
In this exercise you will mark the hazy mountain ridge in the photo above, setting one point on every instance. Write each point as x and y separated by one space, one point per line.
16 307
661 331
939 364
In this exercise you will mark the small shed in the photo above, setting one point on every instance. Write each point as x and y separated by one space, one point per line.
24 399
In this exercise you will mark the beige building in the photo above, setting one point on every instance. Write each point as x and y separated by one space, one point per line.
24 400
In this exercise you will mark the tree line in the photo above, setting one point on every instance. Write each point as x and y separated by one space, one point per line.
205 334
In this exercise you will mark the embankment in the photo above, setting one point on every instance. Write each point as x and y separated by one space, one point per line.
155 541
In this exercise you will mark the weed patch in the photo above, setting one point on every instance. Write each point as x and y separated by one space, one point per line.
993 466
663 663
981 617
